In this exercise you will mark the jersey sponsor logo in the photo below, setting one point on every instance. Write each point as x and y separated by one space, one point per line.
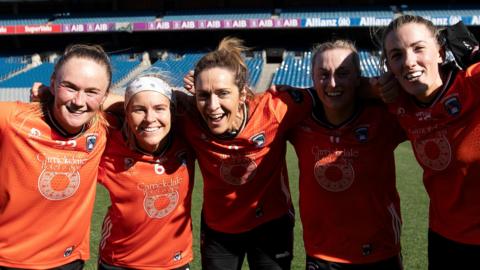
333 170
452 106
434 153
177 256
91 140
60 177
162 197
159 169
35 133
361 134
238 170
258 140
423 115
68 251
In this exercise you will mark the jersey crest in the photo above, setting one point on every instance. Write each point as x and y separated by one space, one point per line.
238 170
332 172
434 153
452 106
361 134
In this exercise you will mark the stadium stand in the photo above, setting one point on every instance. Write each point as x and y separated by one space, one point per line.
78 18
22 20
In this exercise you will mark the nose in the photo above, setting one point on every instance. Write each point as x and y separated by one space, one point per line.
331 81
410 59
79 99
150 116
213 102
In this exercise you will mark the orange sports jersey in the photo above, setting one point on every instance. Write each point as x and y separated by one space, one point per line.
445 137
349 205
245 178
50 181
148 225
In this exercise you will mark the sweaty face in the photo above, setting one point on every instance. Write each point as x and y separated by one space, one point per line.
149 118
80 88
335 79
413 56
219 100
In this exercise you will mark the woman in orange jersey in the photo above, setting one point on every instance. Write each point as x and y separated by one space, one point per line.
148 171
440 111
349 205
49 155
240 142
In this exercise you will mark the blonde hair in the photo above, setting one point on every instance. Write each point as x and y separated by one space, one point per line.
399 22
336 44
227 55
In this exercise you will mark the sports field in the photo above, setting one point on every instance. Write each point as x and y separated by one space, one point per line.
409 183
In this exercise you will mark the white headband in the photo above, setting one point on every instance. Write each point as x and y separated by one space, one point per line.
148 84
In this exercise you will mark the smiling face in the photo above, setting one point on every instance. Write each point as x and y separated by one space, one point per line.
149 117
80 87
413 55
335 79
219 100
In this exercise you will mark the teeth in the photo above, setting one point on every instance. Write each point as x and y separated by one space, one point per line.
74 111
215 116
413 75
334 94
150 129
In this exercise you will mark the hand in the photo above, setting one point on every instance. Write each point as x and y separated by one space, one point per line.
37 91
282 87
386 87
188 82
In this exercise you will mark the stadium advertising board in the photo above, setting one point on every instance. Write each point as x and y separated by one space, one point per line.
88 27
310 22
216 24
345 21
7 30
38 29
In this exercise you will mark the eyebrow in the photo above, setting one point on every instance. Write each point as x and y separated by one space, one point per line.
72 85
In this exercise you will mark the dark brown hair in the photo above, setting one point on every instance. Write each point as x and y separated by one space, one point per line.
228 55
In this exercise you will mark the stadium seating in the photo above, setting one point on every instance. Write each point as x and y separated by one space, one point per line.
10 65
22 20
40 73
104 18
381 12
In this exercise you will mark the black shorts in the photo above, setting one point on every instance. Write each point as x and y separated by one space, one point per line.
447 254
104 266
268 246
393 263
75 265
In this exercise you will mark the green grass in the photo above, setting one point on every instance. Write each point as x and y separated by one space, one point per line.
409 183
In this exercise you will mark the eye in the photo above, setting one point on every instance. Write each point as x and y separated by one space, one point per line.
92 93
419 48
223 93
394 56
201 95
67 87
343 73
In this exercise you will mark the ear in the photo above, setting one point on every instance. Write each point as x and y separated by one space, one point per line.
441 54
243 95
52 85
